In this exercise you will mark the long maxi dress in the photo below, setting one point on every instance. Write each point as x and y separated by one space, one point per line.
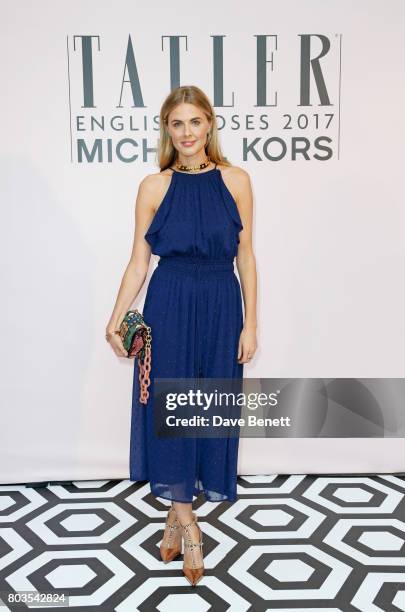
194 307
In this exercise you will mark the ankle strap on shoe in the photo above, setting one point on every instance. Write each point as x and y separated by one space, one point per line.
172 526
193 545
193 522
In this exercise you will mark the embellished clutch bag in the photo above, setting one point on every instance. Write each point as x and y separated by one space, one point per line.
136 337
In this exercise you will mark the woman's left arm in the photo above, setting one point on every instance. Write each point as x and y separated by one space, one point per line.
246 264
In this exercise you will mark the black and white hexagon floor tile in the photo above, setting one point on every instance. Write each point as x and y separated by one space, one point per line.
292 543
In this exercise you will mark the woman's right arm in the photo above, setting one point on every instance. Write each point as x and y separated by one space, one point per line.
147 199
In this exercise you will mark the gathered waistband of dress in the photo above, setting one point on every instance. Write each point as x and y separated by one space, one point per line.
191 262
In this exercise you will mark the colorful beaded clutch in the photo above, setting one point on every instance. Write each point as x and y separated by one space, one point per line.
136 337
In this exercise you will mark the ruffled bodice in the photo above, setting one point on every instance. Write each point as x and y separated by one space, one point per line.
197 217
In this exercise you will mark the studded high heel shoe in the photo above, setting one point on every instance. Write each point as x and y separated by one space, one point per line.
170 547
194 573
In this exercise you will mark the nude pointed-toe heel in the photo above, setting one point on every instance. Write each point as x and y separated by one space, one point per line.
170 547
193 573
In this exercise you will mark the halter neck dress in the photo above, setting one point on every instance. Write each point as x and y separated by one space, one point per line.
194 307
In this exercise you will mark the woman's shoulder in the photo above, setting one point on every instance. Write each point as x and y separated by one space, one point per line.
153 187
233 171
236 179
155 181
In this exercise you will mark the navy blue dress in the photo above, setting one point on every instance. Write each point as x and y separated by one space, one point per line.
194 307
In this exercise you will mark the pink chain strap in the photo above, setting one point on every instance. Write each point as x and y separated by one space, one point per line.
145 368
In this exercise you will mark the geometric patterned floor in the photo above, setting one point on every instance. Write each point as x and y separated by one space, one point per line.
289 543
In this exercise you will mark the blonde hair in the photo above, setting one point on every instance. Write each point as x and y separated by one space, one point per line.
166 153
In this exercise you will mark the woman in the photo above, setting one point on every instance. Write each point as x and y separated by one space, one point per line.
196 214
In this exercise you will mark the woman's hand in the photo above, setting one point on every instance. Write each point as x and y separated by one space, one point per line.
116 344
247 344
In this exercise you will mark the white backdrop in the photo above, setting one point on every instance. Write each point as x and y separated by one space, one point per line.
328 227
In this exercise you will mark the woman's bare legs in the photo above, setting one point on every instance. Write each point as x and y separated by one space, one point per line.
184 512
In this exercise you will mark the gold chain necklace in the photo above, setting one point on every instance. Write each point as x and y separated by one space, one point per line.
193 168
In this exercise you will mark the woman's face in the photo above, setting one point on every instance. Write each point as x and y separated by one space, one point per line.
188 127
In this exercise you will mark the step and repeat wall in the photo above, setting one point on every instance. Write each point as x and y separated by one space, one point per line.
309 98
